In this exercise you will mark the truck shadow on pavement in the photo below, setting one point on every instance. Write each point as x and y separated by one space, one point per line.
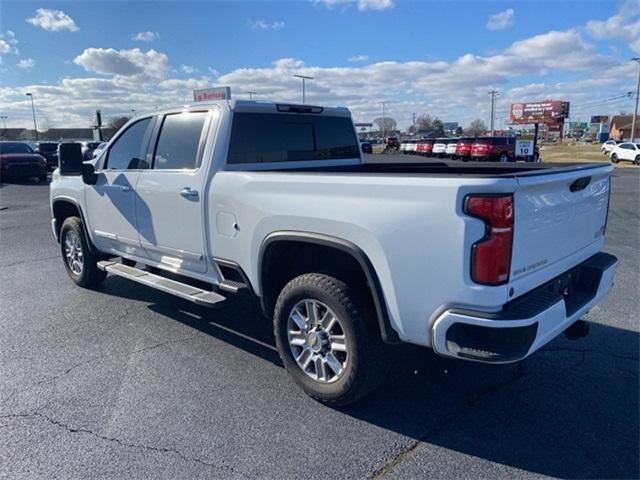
570 410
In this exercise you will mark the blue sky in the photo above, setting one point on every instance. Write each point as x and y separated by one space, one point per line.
423 57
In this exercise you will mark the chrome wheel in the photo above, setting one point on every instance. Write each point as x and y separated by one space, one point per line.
73 252
317 340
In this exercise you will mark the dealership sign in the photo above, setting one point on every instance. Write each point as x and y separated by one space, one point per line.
211 94
549 111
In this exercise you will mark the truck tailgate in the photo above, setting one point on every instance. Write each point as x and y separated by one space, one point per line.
559 219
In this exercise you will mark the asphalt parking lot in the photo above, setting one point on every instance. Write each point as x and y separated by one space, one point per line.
127 382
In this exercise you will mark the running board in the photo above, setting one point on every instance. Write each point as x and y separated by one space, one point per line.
182 290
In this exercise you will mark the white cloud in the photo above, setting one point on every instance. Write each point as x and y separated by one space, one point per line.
188 69
213 71
4 47
53 20
362 5
265 25
624 26
501 20
145 36
359 58
8 44
133 63
26 63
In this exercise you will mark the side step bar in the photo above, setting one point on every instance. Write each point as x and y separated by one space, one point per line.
182 290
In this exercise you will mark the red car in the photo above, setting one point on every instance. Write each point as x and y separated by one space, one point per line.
424 147
463 148
494 149
19 160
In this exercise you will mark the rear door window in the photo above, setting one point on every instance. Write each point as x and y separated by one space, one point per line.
179 143
272 137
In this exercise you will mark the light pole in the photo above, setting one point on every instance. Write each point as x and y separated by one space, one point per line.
635 111
303 77
33 111
494 94
251 94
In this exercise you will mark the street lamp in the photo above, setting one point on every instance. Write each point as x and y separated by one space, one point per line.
635 111
384 123
303 77
33 111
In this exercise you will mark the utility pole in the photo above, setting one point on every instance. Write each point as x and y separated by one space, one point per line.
413 117
384 123
251 94
303 77
4 120
33 111
635 112
494 94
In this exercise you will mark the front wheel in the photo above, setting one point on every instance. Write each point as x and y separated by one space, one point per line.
325 341
614 158
637 160
504 158
79 261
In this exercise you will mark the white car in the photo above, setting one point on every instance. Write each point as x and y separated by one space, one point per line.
626 151
216 199
440 147
609 145
450 149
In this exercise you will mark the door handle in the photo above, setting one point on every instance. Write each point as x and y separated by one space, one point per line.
186 192
126 188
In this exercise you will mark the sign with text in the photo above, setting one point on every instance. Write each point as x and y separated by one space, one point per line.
211 94
548 111
524 148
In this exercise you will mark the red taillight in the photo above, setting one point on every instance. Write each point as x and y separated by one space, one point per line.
491 256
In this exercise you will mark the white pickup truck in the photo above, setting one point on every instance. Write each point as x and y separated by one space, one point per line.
479 262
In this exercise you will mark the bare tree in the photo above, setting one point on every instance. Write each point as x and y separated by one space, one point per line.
476 127
386 124
118 122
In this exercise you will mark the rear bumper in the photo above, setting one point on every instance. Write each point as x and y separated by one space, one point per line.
528 322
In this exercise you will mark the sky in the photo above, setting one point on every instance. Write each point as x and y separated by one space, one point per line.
423 57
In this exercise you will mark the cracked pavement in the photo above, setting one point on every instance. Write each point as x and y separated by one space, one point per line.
126 382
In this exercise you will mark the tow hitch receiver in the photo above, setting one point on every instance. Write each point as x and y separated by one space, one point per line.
578 330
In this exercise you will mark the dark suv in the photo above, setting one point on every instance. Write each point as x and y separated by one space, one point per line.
494 149
49 150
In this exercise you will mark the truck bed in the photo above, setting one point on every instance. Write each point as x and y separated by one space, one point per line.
452 168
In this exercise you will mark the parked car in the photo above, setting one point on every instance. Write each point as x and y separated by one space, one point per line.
391 143
463 148
424 147
19 160
609 145
492 149
88 148
365 147
408 146
344 256
450 149
626 151
439 147
49 150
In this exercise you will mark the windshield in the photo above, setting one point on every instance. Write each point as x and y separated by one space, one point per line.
15 147
273 137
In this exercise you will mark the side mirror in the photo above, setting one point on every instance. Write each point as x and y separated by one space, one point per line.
70 158
89 175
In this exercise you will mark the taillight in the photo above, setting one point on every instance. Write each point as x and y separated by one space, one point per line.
491 256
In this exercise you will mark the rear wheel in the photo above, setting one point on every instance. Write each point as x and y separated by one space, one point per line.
79 261
324 340
614 158
504 158
637 160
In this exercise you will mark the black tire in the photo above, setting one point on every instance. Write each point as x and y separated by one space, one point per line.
365 368
637 160
503 158
89 274
614 158
42 178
